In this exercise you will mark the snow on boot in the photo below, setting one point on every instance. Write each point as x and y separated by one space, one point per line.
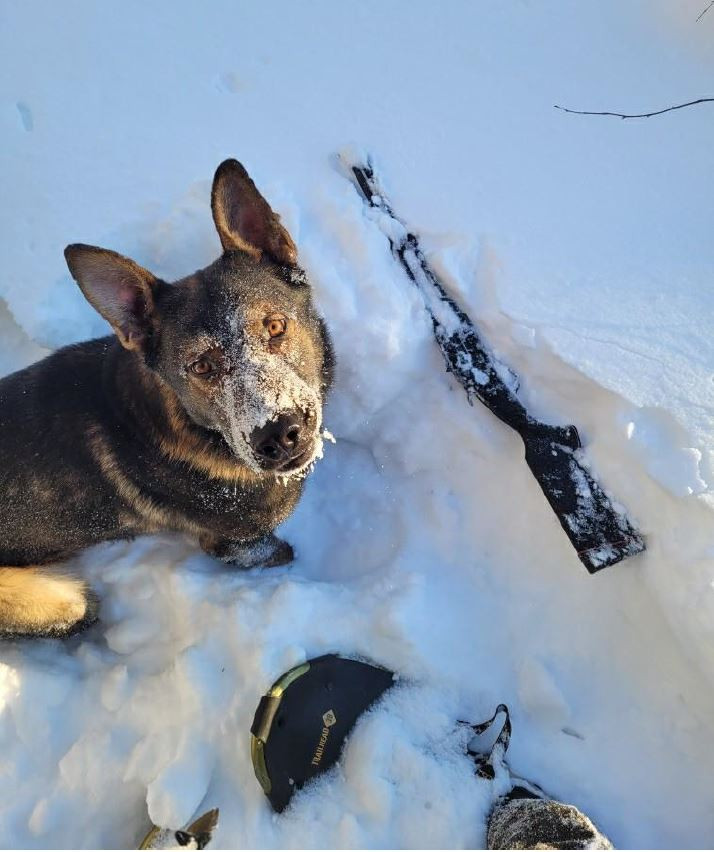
526 817
534 823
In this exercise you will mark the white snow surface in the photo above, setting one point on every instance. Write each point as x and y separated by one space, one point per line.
583 247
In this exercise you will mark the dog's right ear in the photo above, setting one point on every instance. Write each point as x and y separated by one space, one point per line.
119 289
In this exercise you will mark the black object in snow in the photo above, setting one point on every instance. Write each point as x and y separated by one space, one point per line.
197 835
302 722
600 534
526 817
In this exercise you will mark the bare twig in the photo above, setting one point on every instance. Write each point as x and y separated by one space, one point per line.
705 10
639 115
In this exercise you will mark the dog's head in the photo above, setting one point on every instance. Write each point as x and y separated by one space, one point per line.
239 343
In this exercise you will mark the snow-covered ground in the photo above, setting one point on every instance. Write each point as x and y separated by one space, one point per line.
583 246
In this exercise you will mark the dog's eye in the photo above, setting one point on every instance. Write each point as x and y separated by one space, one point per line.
202 367
275 325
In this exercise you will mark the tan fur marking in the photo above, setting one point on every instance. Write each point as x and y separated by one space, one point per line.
184 446
153 517
33 600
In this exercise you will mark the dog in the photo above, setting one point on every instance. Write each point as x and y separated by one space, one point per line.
201 414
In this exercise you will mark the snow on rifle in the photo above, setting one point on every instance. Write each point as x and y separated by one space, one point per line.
599 532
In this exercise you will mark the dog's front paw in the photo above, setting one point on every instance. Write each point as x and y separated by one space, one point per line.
267 552
282 554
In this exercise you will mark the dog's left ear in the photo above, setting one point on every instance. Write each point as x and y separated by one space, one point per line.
244 219
119 289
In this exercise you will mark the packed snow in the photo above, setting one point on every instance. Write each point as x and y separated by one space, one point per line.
582 246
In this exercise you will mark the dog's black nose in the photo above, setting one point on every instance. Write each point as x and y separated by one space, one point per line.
279 440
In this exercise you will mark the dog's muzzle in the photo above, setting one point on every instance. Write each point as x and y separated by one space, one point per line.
286 443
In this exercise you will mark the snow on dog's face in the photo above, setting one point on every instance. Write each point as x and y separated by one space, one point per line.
238 344
245 352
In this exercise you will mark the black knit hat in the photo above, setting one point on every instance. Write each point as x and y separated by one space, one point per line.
301 724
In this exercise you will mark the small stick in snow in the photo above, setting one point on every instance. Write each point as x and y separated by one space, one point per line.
704 11
638 115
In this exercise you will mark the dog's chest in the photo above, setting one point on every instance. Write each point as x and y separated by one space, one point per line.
225 497
235 508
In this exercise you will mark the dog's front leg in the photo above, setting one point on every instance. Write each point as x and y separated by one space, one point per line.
266 552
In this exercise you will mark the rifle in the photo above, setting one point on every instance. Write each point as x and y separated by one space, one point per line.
601 534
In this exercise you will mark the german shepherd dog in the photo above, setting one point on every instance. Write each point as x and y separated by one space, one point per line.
201 415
